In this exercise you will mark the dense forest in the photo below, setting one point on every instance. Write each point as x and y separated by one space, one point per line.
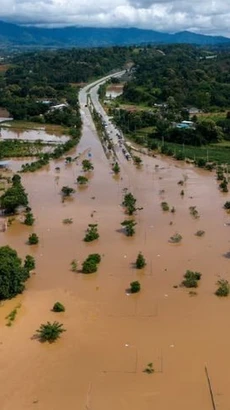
54 76
190 75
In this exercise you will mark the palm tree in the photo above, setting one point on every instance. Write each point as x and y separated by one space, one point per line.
50 332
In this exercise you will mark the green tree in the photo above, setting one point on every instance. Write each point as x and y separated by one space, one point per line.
91 233
58 307
49 332
29 263
87 165
116 168
129 227
135 287
223 288
33 239
140 261
67 191
81 180
29 219
14 196
191 279
12 273
129 203
137 160
90 263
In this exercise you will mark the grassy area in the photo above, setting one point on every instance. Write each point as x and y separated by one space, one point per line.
214 116
219 153
14 148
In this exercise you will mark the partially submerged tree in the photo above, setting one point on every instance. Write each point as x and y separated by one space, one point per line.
91 262
193 211
81 180
223 288
176 238
137 160
129 202
91 233
224 185
116 168
87 165
67 191
165 206
191 279
140 261
14 196
135 287
227 205
33 239
29 263
29 219
58 307
49 332
12 273
129 227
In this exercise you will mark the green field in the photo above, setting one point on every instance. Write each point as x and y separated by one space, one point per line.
219 153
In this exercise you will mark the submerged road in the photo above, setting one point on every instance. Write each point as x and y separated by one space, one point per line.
91 90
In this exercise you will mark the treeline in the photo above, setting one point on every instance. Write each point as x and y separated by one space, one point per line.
204 131
54 76
191 75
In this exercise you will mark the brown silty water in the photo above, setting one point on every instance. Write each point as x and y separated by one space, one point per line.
98 363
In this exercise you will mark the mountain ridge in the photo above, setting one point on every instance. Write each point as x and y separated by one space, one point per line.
21 35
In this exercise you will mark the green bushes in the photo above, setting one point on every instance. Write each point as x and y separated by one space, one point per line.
165 206
116 168
81 180
135 287
129 227
140 261
129 203
67 191
91 233
33 239
29 263
87 165
137 160
223 288
29 219
191 279
91 263
227 205
14 196
176 238
58 307
13 274
193 211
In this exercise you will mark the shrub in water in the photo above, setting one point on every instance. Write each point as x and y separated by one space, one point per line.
135 287
58 307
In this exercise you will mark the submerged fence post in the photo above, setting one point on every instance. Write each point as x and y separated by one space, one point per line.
210 389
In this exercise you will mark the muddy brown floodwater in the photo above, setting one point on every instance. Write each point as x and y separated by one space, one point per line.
98 363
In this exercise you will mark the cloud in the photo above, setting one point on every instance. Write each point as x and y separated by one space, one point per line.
207 16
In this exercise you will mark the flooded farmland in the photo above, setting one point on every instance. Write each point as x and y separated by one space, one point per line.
111 335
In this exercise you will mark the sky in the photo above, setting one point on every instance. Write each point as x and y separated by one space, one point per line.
200 16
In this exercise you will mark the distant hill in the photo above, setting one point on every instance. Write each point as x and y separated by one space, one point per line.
18 35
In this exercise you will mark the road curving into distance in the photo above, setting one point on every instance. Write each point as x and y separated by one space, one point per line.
91 91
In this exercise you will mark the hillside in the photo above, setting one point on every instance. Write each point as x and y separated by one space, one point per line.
16 35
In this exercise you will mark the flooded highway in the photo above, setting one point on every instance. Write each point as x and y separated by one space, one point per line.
112 335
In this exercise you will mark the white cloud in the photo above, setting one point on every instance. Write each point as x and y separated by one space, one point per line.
206 16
